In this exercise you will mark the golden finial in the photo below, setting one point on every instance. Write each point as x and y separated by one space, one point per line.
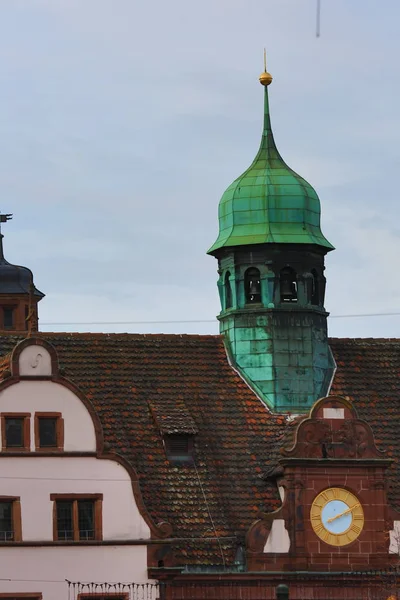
265 77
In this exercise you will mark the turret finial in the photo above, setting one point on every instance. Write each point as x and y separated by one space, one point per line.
265 77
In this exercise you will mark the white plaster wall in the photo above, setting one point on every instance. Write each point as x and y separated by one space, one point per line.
32 396
394 546
34 479
44 569
35 361
278 539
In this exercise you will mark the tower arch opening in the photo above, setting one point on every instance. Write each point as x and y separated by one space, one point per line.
252 286
288 285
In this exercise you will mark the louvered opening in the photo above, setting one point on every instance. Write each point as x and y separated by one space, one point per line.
179 447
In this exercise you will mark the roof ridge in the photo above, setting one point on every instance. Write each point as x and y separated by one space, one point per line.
111 334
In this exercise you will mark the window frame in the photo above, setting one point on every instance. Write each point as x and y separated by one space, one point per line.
8 307
31 595
16 518
98 516
26 432
59 431
104 596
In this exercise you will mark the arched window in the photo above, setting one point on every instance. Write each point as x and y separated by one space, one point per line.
288 285
252 286
228 291
315 292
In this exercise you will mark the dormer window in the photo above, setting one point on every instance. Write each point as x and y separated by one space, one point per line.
252 286
288 285
179 447
8 317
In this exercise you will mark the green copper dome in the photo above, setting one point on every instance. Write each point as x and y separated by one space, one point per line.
269 203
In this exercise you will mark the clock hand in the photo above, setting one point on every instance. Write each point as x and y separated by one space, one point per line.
345 512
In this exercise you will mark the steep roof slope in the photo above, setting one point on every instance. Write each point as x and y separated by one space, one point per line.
187 378
140 384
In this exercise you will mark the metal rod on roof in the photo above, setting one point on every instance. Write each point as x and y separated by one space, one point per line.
318 32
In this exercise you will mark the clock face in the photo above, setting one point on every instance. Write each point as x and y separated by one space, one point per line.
337 516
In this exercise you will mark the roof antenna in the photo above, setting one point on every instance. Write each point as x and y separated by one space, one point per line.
318 32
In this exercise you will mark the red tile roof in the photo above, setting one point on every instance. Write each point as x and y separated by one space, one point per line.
132 380
368 373
145 385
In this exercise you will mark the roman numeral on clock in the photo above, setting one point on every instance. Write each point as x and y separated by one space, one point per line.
319 528
355 528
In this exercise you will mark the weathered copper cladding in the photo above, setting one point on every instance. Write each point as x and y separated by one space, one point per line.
270 252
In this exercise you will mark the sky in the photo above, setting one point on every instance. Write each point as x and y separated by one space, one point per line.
123 121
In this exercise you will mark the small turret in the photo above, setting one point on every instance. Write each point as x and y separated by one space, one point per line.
18 295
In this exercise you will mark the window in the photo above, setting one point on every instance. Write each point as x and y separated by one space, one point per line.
179 447
15 431
252 285
10 519
228 291
8 317
49 431
288 285
77 517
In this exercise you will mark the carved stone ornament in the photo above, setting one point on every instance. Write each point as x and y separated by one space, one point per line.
257 535
333 430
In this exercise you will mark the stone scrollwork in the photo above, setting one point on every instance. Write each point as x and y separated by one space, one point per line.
36 360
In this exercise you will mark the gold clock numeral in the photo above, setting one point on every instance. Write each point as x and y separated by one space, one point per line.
356 529
326 537
336 493
358 517
315 518
325 496
319 528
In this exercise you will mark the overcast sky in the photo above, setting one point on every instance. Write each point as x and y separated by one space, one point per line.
123 121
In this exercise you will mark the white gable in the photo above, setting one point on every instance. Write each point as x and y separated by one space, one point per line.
35 361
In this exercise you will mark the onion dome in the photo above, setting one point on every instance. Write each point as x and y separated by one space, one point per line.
269 203
15 279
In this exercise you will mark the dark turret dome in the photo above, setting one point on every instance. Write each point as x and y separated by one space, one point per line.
15 279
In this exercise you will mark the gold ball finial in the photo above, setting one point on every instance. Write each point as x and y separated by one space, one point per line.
265 78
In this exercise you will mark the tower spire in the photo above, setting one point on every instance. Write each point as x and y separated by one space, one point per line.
270 251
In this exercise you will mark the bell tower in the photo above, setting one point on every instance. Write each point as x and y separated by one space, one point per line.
271 252
18 295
